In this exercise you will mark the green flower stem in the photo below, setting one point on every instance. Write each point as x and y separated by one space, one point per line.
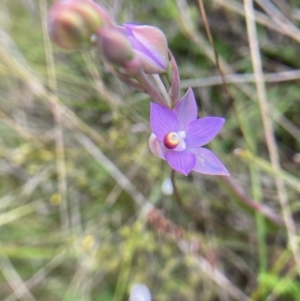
143 80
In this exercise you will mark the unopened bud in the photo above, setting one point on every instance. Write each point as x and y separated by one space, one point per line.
151 46
167 187
140 292
132 67
114 46
72 23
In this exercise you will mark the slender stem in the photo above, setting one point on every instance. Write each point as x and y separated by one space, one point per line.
260 220
197 216
166 80
162 88
128 252
254 205
150 89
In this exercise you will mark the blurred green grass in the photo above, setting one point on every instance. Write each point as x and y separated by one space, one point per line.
88 240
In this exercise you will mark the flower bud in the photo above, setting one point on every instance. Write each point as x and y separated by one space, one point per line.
72 23
167 187
151 46
132 67
114 46
140 292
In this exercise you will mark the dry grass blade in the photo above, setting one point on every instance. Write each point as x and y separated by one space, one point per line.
57 116
216 275
14 214
260 17
292 75
279 19
37 278
269 130
20 130
116 191
111 168
15 281
40 91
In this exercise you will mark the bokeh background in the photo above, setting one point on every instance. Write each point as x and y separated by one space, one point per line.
77 180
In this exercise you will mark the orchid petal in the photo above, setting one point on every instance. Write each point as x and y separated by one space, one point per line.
183 162
202 131
186 109
208 163
163 121
155 147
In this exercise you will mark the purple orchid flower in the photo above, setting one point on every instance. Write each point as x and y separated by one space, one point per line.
178 136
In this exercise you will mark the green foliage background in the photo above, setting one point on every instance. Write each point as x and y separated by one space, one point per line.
70 227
